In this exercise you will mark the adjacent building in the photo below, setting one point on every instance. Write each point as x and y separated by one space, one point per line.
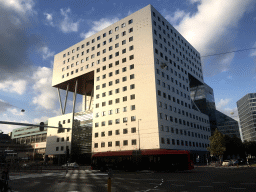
202 96
32 138
247 115
227 125
136 77
203 100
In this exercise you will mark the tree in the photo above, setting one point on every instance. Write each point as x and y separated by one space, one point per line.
217 144
250 147
234 146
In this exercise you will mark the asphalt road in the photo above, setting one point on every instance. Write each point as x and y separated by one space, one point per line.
200 179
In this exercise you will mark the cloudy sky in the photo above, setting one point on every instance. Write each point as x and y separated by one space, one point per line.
33 31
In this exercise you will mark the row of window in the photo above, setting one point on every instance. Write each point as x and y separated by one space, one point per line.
184 143
117 121
117 143
185 132
131 57
61 148
170 61
98 61
98 53
177 58
178 92
117 100
179 111
170 28
180 121
169 44
99 37
172 80
62 139
117 132
110 112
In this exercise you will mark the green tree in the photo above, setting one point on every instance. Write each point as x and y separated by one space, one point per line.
234 146
217 144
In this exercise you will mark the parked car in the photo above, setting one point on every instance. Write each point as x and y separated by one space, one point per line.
71 165
25 165
227 163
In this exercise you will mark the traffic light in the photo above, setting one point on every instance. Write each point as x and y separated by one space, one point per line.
60 130
41 127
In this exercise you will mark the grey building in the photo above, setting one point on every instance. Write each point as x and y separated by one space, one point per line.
247 115
203 100
227 125
202 96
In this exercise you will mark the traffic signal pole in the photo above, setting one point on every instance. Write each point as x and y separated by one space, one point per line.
27 124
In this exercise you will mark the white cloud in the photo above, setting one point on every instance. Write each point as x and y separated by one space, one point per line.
41 119
222 107
46 53
67 25
14 86
49 19
222 103
19 6
45 94
177 16
14 111
211 29
98 26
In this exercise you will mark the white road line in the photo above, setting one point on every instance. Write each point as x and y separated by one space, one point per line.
205 186
236 188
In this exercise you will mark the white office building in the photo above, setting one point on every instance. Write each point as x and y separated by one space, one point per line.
135 77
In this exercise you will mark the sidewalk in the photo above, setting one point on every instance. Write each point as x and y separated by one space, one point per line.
220 166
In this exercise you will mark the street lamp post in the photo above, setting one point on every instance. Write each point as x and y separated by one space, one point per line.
139 131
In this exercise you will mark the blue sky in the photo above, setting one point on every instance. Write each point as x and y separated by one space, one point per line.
33 31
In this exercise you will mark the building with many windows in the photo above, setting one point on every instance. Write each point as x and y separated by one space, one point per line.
247 115
135 77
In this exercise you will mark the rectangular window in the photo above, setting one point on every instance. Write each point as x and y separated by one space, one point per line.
125 142
133 129
131 48
134 142
109 144
133 118
117 143
130 21
130 30
109 133
130 39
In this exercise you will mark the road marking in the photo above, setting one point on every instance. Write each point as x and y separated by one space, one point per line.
218 182
236 188
205 186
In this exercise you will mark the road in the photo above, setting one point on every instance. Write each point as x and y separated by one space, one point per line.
200 179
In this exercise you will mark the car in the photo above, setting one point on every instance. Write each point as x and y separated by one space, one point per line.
25 165
227 163
72 165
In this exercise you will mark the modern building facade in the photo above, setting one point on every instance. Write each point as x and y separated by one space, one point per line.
135 77
227 125
203 100
247 115
30 136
